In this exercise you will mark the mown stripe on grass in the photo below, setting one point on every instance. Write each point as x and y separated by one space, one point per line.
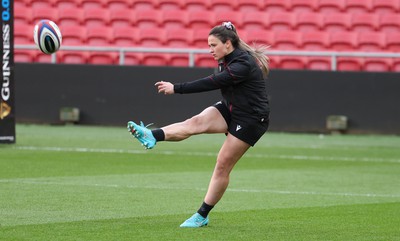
122 151
283 192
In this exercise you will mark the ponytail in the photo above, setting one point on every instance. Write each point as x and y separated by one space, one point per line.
258 52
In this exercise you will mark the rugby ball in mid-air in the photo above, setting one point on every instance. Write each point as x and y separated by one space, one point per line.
47 36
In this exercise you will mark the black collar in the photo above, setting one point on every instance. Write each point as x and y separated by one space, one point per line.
235 53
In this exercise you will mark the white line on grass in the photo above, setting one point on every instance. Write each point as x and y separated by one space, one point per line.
318 193
283 192
293 157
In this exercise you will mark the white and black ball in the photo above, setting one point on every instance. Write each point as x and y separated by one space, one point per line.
47 36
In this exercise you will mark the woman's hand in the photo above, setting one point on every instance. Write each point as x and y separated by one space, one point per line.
165 87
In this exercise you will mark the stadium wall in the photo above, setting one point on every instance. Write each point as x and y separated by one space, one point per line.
112 95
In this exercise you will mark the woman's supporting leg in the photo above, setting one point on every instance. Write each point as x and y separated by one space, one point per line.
230 153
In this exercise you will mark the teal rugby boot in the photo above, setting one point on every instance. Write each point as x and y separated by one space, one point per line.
195 221
142 133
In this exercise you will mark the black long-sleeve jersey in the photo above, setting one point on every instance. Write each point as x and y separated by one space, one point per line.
242 84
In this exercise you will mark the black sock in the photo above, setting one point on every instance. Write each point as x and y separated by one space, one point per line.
204 209
158 134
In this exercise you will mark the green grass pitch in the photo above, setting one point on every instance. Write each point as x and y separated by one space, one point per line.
98 183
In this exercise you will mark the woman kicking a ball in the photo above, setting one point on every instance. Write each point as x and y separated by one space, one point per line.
242 114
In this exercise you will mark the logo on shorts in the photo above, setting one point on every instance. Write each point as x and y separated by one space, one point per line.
238 127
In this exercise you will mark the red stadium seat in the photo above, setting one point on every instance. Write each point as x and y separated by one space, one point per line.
73 57
349 64
21 3
39 57
255 20
343 41
371 41
319 63
377 64
60 4
42 58
103 58
235 18
124 36
118 4
396 65
389 23
393 42
334 22
41 4
148 18
205 60
23 33
273 62
180 38
357 6
200 19
95 4
70 16
287 40
99 36
23 15
122 17
181 60
272 6
281 21
25 56
171 4
73 35
151 37
131 58
364 22
331 6
200 38
260 37
315 40
297 6
309 21
292 62
171 19
144 4
385 6
196 5
250 6
44 13
223 5
96 17
155 59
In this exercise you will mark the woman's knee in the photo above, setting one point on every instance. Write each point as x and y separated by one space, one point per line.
223 167
196 124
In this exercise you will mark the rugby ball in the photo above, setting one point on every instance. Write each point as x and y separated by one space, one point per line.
47 36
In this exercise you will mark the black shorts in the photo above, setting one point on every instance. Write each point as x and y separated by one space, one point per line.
248 129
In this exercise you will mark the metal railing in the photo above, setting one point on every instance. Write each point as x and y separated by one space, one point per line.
191 52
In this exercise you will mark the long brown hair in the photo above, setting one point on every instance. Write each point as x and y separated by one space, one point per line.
227 31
